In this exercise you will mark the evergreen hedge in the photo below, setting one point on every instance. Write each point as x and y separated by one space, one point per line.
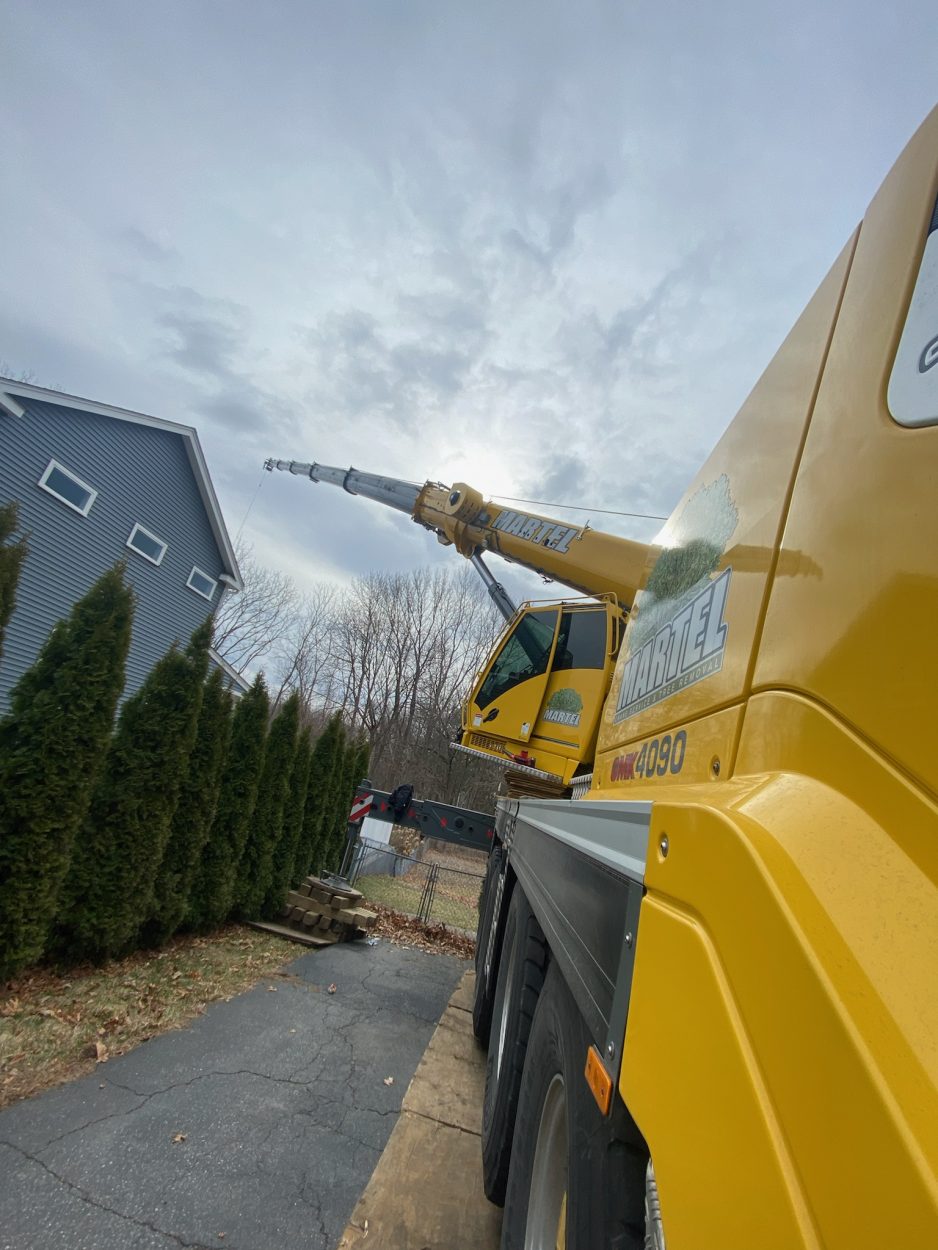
326 754
52 745
125 834
12 555
255 872
348 776
285 853
195 811
213 891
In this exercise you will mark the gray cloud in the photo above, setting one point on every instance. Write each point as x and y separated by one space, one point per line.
542 247
148 248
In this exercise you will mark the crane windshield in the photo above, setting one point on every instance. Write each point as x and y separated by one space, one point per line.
525 654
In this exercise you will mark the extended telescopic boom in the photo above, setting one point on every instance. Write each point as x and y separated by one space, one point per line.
585 559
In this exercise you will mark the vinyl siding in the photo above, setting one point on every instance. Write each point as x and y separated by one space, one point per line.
141 475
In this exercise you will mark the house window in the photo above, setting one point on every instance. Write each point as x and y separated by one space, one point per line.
146 544
71 490
202 584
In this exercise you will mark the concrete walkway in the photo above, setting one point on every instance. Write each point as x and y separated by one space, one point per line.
426 1192
256 1128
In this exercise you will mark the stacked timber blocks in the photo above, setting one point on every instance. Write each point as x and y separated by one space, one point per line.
330 912
318 914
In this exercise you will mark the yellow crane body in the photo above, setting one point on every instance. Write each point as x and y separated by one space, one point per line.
794 916
736 927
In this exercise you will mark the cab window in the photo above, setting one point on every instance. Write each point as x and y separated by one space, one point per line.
524 655
581 642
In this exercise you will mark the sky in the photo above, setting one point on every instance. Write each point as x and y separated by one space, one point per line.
543 247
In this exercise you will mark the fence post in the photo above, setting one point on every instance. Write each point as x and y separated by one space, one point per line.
426 903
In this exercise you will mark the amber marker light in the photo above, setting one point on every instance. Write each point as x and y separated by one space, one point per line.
599 1080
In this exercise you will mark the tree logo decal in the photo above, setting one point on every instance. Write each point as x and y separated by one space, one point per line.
564 707
677 635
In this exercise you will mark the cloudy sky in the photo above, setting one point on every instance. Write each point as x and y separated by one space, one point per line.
544 247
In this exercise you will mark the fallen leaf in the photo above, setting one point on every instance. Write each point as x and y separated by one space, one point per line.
271 989
178 1137
389 1080
333 987
100 1053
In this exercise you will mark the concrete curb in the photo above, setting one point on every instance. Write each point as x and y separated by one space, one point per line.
426 1191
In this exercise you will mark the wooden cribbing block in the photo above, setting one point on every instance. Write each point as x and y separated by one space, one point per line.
357 916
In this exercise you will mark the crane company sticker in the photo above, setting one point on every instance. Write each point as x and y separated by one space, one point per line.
912 394
536 530
564 708
677 635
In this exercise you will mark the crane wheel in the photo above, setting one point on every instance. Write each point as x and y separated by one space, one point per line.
520 977
486 959
577 1178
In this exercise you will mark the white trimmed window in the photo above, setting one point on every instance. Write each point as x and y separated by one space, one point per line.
68 488
146 544
202 584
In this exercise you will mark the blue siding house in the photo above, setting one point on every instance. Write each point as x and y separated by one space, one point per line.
96 484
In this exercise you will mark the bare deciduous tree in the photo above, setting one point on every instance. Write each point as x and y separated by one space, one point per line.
396 653
249 626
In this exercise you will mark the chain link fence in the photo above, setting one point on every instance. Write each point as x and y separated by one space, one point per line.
434 883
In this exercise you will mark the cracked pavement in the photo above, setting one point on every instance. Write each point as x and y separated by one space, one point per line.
280 1096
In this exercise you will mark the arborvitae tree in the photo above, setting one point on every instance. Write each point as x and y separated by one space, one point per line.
326 754
345 785
255 872
285 853
12 555
53 744
125 834
195 811
213 891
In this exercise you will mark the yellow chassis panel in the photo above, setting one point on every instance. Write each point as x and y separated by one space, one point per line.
781 1055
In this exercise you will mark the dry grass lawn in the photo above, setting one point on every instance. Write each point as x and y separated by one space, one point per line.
54 1027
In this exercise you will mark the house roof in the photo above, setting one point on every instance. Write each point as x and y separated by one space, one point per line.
11 392
230 671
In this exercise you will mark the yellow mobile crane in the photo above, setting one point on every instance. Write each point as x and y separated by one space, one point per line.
709 986
535 704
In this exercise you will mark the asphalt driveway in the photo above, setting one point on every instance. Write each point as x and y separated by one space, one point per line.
256 1128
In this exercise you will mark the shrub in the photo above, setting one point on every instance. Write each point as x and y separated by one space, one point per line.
317 813
255 873
344 785
195 811
213 890
124 837
285 853
52 746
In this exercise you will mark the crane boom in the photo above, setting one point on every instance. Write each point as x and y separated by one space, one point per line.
585 559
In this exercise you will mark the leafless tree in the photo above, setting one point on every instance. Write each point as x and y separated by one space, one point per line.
396 653
405 650
249 626
302 657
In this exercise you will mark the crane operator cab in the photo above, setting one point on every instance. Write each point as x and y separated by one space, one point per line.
537 701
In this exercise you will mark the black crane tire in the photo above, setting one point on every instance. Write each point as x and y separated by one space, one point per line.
591 1175
484 997
521 972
